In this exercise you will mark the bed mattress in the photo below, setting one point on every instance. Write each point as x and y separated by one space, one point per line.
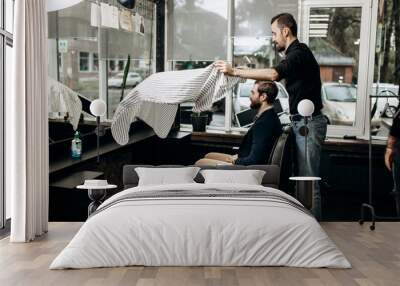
201 225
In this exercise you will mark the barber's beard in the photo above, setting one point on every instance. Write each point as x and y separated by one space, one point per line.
280 49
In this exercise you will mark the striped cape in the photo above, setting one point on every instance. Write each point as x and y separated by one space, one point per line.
156 99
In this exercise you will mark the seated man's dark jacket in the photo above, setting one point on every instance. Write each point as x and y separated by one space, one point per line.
260 139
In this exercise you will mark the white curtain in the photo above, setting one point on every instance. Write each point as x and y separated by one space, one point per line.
27 123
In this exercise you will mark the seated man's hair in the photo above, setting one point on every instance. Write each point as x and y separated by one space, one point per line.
269 88
286 20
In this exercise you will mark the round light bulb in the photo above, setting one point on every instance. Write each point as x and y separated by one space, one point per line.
305 107
98 107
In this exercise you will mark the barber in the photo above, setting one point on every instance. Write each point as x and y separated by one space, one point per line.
302 74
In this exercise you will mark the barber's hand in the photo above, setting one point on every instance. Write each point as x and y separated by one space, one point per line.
389 158
224 67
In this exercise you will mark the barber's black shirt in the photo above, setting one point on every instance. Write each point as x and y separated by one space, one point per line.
260 139
395 129
303 80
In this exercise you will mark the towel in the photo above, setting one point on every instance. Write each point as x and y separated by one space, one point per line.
155 100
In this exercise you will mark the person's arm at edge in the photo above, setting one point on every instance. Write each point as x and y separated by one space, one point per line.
389 152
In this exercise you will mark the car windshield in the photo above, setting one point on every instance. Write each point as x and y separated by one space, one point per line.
343 93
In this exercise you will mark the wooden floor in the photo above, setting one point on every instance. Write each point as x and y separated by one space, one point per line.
375 257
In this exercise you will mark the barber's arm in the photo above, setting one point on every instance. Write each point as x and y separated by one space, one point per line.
389 152
257 74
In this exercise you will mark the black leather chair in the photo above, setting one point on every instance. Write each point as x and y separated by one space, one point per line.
282 156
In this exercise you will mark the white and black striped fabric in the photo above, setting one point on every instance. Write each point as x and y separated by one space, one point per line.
64 99
156 99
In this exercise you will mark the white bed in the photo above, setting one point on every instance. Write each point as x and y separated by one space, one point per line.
184 230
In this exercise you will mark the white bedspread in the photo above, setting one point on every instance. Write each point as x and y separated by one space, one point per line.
200 231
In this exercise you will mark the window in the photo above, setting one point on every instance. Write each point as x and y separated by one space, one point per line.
384 95
193 46
83 61
6 44
90 67
196 46
203 41
337 35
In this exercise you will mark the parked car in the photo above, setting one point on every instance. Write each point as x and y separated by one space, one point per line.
339 100
132 80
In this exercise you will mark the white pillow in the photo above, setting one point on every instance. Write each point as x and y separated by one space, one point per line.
248 177
166 176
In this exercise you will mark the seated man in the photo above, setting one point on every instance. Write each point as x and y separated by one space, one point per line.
259 140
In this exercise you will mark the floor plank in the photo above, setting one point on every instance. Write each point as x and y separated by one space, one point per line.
375 257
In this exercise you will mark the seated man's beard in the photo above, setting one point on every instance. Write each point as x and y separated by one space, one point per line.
255 105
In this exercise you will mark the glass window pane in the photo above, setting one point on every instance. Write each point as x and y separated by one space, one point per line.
7 82
138 71
385 89
74 66
9 9
334 37
81 54
252 18
197 30
72 22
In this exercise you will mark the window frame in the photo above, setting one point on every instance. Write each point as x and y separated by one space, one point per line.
361 128
6 39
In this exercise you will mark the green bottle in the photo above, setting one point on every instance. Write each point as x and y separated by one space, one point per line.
76 146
